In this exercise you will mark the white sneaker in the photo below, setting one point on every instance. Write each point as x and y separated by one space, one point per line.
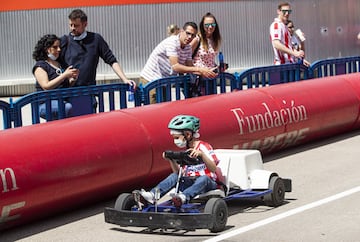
182 197
148 196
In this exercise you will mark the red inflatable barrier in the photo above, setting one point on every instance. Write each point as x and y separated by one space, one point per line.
47 168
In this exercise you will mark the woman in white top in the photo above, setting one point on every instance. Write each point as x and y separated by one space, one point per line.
295 41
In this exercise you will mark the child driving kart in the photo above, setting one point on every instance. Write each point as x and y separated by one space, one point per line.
195 178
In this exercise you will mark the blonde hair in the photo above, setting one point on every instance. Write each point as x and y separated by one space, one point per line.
172 29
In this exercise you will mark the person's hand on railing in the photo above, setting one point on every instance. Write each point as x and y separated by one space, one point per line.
131 83
207 72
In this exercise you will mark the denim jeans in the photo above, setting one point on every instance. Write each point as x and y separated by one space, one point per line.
55 109
188 186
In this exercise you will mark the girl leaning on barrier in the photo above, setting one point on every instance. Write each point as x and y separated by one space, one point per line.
49 74
206 46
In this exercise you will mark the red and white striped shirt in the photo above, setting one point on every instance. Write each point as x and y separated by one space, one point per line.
278 31
201 169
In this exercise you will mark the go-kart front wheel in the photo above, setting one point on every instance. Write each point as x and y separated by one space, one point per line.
218 208
276 197
125 201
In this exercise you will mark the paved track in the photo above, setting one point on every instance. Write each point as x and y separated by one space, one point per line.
324 205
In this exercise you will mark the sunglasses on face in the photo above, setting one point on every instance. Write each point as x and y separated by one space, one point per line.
208 25
284 11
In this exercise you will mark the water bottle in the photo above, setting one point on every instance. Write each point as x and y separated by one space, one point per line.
221 62
131 93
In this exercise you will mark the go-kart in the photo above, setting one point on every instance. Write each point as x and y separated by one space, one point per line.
241 175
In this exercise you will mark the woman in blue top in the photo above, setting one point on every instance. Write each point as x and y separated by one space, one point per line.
49 74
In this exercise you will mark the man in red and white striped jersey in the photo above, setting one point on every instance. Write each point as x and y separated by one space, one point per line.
281 38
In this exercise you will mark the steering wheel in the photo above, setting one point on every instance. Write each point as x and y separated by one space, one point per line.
182 157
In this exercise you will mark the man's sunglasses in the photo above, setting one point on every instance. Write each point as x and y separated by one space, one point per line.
284 11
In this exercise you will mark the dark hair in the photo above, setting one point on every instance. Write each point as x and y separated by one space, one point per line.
191 24
283 4
216 37
40 51
78 13
289 22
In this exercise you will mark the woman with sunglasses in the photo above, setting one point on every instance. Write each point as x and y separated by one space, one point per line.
295 40
207 43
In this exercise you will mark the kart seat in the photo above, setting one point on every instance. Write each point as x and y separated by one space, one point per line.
234 169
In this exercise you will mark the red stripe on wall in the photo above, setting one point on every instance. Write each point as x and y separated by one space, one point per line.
13 5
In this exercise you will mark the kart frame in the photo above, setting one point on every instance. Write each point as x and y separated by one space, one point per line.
209 210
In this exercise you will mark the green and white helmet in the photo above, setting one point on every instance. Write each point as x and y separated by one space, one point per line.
185 122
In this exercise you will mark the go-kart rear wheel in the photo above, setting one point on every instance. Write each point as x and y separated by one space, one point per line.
125 201
276 197
218 208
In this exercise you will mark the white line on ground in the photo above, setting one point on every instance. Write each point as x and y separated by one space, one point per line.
283 215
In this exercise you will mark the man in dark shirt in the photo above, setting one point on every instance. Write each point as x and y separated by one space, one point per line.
82 50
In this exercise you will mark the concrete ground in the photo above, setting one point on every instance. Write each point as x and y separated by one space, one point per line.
323 206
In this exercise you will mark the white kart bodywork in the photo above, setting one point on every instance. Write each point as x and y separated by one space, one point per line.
243 169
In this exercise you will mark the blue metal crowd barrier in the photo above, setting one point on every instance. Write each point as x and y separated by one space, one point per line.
92 99
84 100
337 66
6 114
162 88
182 84
223 81
271 75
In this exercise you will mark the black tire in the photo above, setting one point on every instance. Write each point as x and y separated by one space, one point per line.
218 208
277 196
125 201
